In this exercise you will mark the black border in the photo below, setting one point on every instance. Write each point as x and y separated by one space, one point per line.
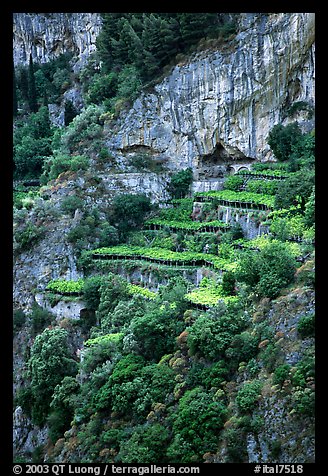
6 369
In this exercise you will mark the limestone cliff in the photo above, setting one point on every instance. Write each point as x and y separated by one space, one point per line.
47 35
220 105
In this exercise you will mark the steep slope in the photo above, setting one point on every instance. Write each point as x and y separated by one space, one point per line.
221 104
213 111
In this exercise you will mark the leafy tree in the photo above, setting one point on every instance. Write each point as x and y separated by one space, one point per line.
128 211
281 373
22 82
248 396
180 183
306 326
309 212
49 363
71 203
62 407
113 290
283 139
228 283
155 331
146 445
122 315
268 271
212 334
295 190
196 425
54 165
91 291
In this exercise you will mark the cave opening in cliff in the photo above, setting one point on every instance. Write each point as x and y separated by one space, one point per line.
215 164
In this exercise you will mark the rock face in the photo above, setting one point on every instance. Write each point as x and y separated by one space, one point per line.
221 105
47 35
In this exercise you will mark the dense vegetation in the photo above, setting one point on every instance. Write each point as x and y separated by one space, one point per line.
171 372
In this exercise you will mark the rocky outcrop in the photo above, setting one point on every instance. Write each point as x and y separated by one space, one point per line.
220 105
47 35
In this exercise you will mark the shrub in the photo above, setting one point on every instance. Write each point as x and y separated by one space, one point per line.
306 326
228 283
282 139
180 183
60 163
128 212
40 318
281 374
49 363
19 319
248 396
71 203
28 236
268 271
243 347
212 334
83 130
146 445
196 424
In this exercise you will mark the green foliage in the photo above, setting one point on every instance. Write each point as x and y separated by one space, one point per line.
40 318
196 425
32 144
295 190
283 139
132 390
155 331
147 444
49 363
164 256
62 286
113 290
248 396
180 183
233 182
306 326
300 106
232 198
208 376
209 293
309 212
149 41
243 347
70 112
91 291
32 100
228 283
71 203
19 319
124 312
212 334
62 407
100 350
268 187
281 373
128 212
268 271
28 236
101 87
83 131
59 163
